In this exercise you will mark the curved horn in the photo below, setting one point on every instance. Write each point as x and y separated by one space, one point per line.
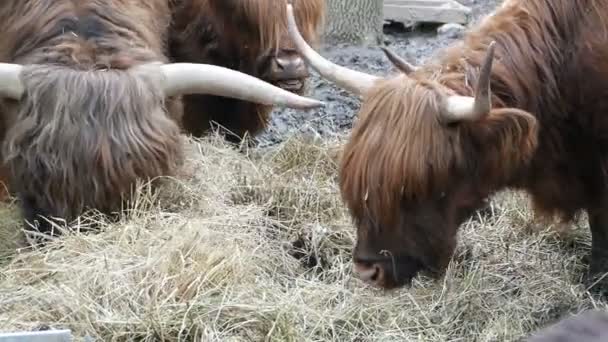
398 61
190 78
351 80
10 82
461 108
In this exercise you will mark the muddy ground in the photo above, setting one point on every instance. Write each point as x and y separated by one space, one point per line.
414 43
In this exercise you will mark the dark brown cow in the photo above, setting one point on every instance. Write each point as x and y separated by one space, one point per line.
89 107
520 102
589 326
245 35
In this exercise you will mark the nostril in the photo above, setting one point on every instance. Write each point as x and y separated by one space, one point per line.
298 62
282 63
369 272
377 273
289 62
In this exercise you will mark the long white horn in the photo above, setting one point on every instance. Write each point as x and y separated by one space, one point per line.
351 80
10 81
465 108
189 78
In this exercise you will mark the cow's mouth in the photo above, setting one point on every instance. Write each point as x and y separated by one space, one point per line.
293 85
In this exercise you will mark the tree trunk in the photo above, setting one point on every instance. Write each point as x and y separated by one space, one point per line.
354 21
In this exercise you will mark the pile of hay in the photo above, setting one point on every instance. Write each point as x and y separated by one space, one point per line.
255 245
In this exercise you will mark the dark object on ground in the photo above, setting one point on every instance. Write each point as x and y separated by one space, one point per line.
590 326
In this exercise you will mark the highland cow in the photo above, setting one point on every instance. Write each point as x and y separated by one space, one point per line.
245 35
89 105
520 102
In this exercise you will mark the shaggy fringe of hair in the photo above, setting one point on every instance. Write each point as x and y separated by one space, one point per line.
83 139
260 19
425 155
261 24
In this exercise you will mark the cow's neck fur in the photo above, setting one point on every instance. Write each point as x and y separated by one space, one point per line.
551 61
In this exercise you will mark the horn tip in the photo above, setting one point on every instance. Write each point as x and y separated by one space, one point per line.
312 104
386 50
491 46
301 103
290 16
315 104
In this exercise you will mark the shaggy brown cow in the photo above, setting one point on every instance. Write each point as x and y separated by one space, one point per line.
89 107
520 102
245 35
590 326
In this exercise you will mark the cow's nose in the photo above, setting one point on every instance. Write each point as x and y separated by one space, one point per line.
387 273
288 67
371 273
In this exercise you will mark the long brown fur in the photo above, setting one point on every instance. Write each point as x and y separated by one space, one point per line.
88 127
53 153
242 35
547 131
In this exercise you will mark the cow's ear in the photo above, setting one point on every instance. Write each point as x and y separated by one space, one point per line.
506 140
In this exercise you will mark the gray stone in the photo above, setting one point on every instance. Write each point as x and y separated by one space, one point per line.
435 11
451 30
37 336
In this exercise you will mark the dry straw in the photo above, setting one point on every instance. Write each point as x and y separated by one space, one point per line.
254 245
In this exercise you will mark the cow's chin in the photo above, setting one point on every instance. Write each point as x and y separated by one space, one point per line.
406 269
293 85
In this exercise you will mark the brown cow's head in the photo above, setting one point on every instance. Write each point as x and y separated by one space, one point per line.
86 102
81 139
247 35
420 159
